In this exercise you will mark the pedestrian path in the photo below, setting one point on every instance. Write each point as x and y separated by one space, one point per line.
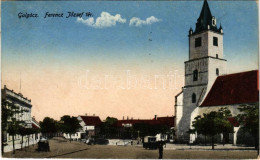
220 147
9 147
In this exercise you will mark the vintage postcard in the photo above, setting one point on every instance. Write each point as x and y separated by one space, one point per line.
130 79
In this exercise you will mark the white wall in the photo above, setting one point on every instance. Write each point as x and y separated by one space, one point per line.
73 136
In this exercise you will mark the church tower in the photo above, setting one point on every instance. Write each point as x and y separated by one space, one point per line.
204 65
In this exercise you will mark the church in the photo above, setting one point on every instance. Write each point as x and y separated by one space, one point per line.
208 87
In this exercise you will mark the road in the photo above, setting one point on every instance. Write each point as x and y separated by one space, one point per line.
61 148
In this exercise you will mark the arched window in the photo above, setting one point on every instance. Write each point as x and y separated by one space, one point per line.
217 71
195 75
193 98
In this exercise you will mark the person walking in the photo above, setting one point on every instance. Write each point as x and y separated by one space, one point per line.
160 150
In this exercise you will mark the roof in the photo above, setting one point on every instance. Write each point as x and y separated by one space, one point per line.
179 93
168 121
120 123
35 126
238 88
91 120
205 19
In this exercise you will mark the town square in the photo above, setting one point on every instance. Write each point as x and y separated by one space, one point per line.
130 80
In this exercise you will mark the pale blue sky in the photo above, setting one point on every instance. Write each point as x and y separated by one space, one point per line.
70 41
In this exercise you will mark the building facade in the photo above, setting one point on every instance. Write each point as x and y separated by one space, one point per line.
204 65
22 103
203 72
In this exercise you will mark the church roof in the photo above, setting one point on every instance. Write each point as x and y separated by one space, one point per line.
205 20
238 88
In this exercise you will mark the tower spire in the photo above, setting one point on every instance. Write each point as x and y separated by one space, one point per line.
205 21
205 13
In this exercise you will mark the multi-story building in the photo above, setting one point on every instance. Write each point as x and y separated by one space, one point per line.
22 103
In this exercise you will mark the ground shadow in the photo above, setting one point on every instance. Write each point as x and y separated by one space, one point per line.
66 153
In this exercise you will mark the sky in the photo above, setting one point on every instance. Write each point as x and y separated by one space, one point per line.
125 60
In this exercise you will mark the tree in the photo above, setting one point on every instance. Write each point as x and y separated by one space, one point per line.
213 123
145 129
224 125
107 127
22 132
29 131
11 115
49 126
70 125
5 114
249 120
13 130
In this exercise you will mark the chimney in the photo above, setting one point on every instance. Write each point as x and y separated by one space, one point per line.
93 114
127 117
86 114
123 117
155 117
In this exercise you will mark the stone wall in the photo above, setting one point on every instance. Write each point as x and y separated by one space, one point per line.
202 66
189 111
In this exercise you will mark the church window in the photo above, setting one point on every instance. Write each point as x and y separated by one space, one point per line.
195 75
215 41
217 71
197 42
193 98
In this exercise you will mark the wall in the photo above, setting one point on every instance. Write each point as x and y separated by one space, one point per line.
33 139
207 48
201 51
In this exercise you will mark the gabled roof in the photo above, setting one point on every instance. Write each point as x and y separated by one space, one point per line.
91 120
238 88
